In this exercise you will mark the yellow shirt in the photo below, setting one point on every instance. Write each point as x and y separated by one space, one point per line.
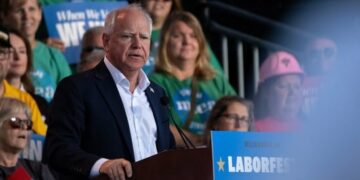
39 126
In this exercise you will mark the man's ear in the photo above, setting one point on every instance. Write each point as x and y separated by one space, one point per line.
105 39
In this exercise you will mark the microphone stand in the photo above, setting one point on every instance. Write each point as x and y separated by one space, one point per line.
186 140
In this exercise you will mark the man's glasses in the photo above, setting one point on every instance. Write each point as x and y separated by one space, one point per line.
90 49
18 123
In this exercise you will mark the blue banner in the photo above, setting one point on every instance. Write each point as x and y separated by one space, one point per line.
249 155
69 21
34 149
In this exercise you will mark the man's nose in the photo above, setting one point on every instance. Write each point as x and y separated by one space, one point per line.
136 42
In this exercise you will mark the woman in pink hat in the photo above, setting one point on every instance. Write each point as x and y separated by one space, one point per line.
278 99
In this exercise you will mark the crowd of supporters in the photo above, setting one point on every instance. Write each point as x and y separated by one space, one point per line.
181 61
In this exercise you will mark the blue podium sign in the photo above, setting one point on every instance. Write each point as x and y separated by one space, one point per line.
69 21
249 155
34 150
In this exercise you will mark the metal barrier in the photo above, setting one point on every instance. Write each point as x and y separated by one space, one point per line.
256 43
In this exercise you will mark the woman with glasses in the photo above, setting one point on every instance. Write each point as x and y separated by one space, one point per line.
230 113
16 125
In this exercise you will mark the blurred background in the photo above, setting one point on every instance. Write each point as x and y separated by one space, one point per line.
242 33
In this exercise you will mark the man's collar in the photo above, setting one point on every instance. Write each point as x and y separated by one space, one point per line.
119 77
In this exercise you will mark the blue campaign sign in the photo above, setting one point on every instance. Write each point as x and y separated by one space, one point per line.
249 155
69 21
35 148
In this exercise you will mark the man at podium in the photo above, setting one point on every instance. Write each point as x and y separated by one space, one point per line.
104 119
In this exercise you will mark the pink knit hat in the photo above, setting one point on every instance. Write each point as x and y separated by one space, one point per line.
279 63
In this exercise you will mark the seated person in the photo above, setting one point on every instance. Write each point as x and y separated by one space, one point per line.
319 58
21 67
278 99
159 11
320 55
16 125
92 51
184 71
230 113
6 90
50 65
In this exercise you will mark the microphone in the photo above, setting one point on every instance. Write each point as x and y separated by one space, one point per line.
165 101
19 173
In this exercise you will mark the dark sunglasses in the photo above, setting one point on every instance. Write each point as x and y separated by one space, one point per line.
18 123
92 48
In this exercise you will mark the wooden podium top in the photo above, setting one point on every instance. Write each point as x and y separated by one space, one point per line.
181 164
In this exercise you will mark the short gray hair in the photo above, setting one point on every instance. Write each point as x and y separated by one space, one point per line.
111 17
9 107
94 31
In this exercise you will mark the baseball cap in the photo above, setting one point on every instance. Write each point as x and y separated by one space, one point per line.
4 37
279 63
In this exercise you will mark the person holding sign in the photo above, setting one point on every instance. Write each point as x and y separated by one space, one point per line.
278 100
16 125
104 119
50 65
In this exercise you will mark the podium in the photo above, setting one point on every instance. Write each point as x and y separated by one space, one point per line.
180 164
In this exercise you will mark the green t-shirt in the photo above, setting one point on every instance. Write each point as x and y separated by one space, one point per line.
179 92
155 42
49 67
150 63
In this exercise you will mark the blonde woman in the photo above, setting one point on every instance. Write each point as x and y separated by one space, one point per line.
184 71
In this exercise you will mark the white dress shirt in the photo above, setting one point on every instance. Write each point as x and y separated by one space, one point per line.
139 116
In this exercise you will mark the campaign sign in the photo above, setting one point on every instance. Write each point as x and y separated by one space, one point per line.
69 21
249 155
35 148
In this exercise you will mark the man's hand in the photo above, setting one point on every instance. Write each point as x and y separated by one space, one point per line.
56 43
116 169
